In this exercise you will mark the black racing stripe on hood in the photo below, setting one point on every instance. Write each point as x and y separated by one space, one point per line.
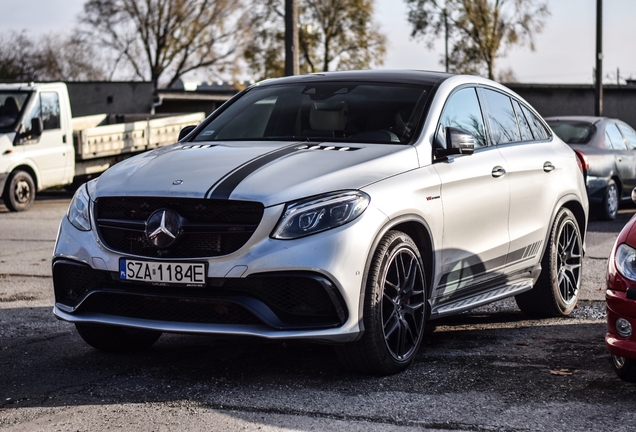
223 188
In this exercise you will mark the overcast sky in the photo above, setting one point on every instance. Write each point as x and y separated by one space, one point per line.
565 51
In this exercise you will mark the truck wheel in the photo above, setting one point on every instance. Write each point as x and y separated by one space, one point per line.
117 339
19 192
394 310
557 289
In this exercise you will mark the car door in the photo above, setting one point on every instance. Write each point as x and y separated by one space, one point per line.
623 156
475 200
49 151
524 143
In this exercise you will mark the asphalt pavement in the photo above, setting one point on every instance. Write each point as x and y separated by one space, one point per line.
492 369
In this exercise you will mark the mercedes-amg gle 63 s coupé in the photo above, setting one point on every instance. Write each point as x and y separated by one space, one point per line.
349 208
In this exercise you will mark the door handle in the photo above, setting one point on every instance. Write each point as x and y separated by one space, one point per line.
498 171
548 166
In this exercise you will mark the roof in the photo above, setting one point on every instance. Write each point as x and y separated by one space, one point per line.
394 76
587 119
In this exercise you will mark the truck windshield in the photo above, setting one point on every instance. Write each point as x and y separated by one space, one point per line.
11 105
323 111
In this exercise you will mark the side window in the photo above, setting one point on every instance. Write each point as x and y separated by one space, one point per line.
629 134
538 130
501 118
47 108
615 137
524 126
462 111
50 102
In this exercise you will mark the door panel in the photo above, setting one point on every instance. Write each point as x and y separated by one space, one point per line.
475 199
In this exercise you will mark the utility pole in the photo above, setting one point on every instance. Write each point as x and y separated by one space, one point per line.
446 36
598 90
291 37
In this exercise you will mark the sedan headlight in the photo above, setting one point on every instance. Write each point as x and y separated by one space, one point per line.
626 261
316 214
79 210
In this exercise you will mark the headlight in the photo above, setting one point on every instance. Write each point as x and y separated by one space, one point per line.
313 215
79 210
626 261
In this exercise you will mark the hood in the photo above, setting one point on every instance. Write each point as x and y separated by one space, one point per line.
268 172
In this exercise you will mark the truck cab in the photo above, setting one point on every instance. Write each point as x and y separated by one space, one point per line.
36 141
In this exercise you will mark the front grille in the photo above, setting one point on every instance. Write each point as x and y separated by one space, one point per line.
210 227
72 281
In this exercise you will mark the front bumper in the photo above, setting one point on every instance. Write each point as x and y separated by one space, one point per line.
621 304
316 296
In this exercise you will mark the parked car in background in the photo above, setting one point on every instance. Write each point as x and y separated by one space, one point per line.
609 147
347 207
621 302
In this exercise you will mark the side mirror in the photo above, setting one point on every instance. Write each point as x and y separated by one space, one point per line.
185 131
634 195
36 128
458 141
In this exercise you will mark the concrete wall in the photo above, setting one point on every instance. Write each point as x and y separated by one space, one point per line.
94 97
555 100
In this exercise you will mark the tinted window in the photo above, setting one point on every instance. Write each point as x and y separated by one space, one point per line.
524 126
573 132
462 111
615 138
501 118
629 134
538 129
333 111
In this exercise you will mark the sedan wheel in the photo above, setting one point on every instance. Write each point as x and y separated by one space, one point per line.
394 310
625 368
609 208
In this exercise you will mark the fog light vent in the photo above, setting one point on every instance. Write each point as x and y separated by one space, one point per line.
623 328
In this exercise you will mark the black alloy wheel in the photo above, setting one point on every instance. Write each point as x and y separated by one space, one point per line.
394 310
557 290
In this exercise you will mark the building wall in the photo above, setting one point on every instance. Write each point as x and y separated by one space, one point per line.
560 100
94 97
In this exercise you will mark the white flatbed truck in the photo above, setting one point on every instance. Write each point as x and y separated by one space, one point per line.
42 145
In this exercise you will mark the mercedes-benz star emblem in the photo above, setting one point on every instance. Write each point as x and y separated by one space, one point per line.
163 228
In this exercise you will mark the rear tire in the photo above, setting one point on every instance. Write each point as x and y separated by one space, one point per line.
625 368
557 290
19 192
394 310
117 339
609 207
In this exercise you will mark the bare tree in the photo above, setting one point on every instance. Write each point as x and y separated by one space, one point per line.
480 31
164 39
333 34
56 57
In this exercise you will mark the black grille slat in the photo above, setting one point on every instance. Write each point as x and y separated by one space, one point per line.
211 227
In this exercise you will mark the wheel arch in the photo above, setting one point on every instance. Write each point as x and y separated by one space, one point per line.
418 229
30 170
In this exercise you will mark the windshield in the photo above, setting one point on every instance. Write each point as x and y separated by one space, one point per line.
327 111
11 104
573 132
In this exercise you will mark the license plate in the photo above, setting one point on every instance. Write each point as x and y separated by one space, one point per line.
162 273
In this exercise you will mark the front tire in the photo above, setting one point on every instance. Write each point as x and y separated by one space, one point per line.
394 310
19 192
117 339
625 368
556 292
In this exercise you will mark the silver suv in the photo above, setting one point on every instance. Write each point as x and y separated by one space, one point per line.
349 207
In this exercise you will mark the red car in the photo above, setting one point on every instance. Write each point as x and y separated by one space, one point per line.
621 302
